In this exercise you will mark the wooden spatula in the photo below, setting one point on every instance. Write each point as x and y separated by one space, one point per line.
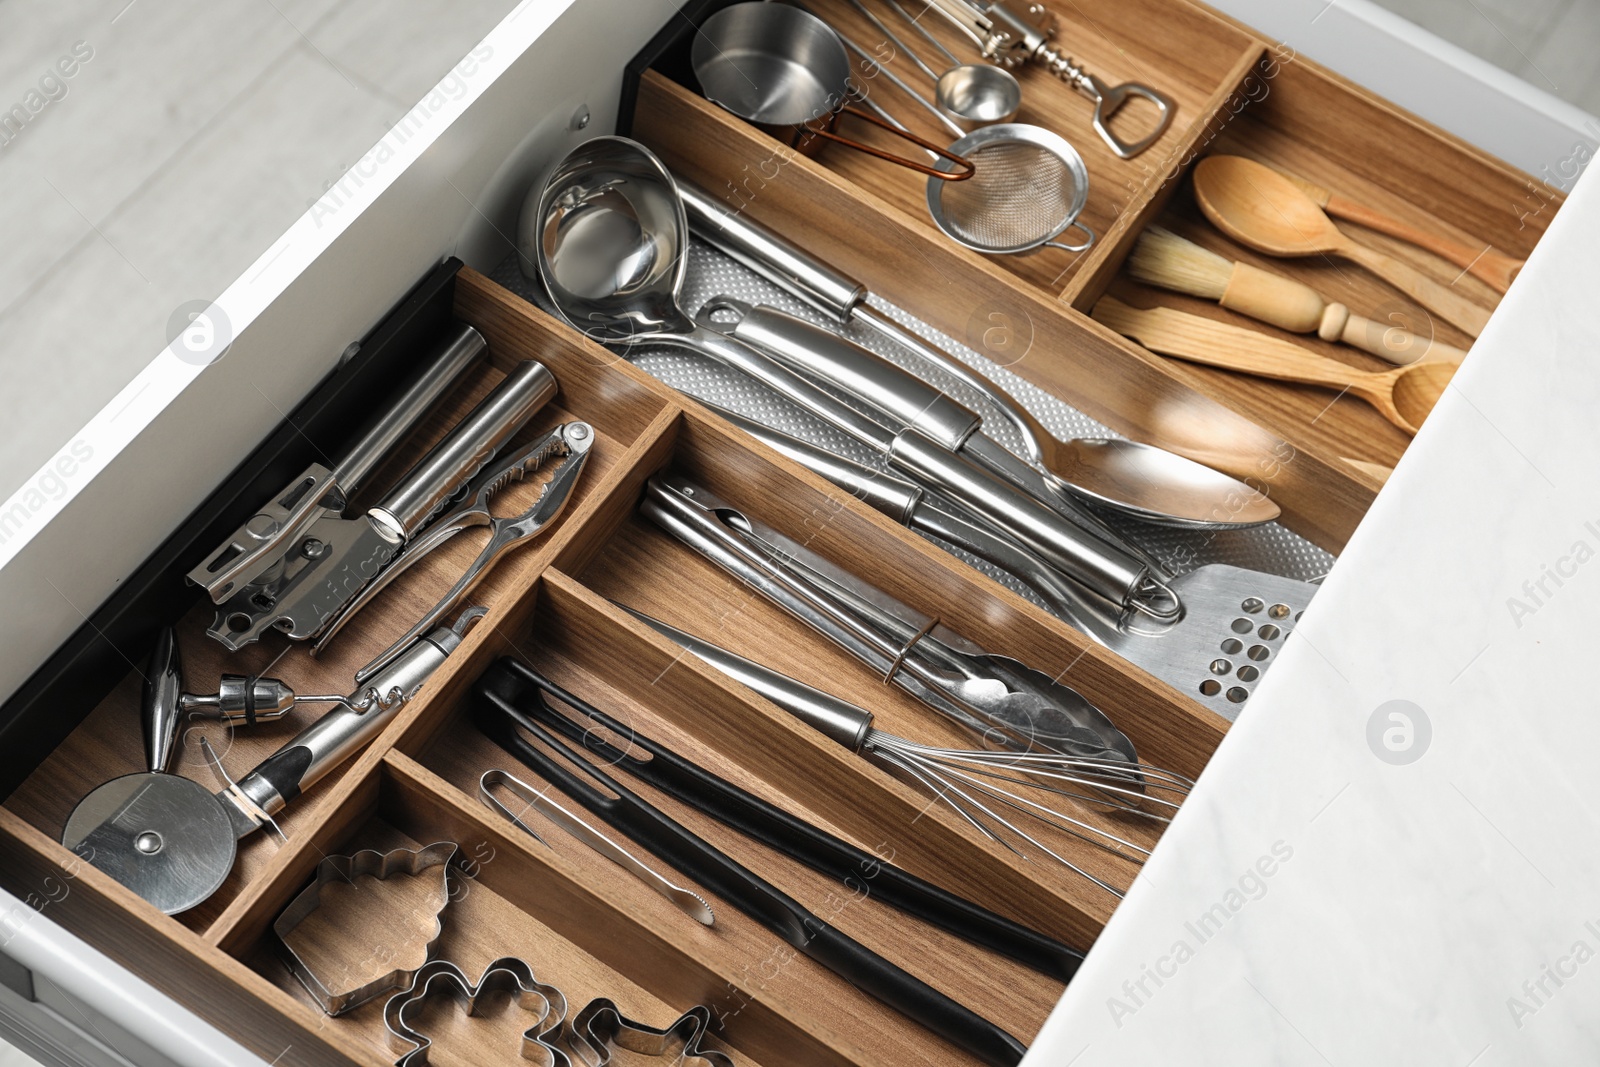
1404 395
1494 268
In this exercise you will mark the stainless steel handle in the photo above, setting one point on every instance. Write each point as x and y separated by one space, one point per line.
906 503
260 542
161 702
1105 569
773 374
769 255
1102 567
838 719
833 293
461 347
885 492
452 462
858 371
326 743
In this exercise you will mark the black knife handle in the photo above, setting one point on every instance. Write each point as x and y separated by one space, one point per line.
650 828
796 838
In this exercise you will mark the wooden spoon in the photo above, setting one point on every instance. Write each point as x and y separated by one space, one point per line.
1260 208
1495 269
1404 395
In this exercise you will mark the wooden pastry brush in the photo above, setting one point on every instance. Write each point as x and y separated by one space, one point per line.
1163 259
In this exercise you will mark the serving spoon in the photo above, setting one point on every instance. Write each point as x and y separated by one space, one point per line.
1263 210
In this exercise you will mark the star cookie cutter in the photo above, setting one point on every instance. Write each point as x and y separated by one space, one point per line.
600 1027
380 865
507 974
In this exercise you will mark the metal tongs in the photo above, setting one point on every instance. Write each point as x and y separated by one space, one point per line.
1010 33
572 441
1004 702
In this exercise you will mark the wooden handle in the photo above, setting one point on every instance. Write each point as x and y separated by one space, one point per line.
1489 266
1311 189
1392 343
1374 470
1434 296
1216 344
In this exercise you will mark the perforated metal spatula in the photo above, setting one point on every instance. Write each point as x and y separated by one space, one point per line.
1234 623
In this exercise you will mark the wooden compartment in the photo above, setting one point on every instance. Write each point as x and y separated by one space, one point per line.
510 899
1238 93
577 640
1308 123
1194 55
589 927
108 744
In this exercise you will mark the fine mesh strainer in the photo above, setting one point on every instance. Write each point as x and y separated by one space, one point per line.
1028 186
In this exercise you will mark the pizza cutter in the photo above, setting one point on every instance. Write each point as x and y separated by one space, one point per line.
170 839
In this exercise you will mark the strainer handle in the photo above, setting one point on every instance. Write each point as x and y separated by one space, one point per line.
1087 244
964 168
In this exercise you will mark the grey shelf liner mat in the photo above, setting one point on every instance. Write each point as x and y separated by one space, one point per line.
1272 548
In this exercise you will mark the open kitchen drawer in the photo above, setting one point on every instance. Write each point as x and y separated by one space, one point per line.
583 924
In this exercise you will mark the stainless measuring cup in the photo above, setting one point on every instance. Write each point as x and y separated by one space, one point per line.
786 71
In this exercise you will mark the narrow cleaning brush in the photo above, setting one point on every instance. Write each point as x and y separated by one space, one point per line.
1163 259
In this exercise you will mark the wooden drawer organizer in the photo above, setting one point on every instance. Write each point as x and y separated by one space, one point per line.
592 930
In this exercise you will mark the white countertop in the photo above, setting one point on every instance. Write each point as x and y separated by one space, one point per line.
1321 899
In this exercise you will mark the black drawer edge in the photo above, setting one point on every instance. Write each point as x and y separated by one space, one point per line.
57 697
667 54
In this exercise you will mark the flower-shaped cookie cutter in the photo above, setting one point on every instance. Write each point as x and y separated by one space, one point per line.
380 865
507 974
600 1027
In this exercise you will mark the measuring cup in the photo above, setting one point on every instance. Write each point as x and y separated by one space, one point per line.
785 71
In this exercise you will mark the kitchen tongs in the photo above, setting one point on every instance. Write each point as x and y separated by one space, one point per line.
511 698
1003 702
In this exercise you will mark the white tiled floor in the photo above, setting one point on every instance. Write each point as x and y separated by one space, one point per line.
188 141
193 135
1552 44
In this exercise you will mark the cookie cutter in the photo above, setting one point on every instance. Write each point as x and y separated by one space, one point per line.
601 1027
380 865
507 974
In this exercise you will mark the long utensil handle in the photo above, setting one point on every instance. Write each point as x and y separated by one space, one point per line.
835 293
326 743
839 720
1101 567
1218 344
248 552
687 781
862 373
762 901
713 540
769 254
794 387
1434 296
1106 569
1493 268
460 348
1398 346
906 503
896 497
452 463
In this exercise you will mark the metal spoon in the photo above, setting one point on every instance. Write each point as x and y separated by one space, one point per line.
612 237
970 94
